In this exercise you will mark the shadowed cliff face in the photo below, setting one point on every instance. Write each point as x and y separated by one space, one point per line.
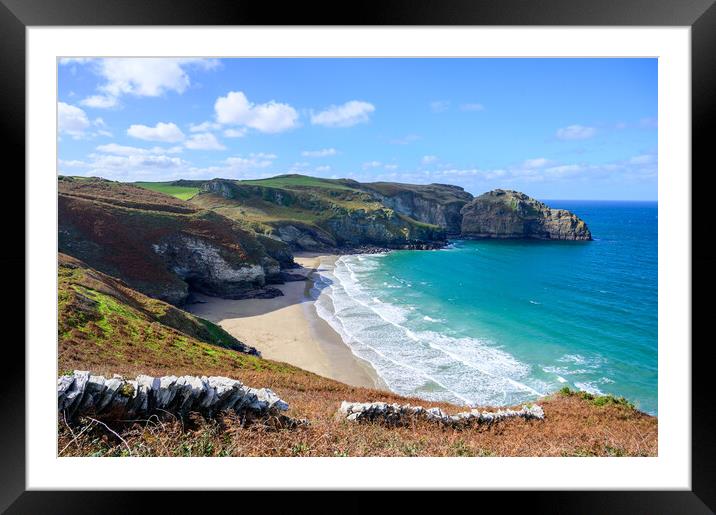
162 246
437 204
507 214
320 214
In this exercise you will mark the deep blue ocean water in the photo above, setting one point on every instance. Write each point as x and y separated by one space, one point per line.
503 322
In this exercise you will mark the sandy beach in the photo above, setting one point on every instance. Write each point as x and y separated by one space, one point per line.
288 329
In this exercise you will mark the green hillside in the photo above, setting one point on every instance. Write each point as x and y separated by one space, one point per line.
170 188
99 316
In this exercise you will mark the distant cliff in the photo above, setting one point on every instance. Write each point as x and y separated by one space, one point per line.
437 204
510 214
308 213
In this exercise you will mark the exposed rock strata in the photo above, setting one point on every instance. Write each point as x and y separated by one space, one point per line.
437 204
116 398
208 269
507 214
403 414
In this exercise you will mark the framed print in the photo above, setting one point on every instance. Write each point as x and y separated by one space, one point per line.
430 247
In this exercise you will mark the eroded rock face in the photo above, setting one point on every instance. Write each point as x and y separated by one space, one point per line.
301 237
208 269
117 398
382 228
436 204
403 414
505 214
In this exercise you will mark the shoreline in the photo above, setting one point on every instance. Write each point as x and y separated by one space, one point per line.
288 328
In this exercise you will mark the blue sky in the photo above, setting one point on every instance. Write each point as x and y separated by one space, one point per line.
552 128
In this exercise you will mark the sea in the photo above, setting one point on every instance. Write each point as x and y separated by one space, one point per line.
497 323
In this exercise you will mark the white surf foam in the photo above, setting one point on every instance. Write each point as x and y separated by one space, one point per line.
589 388
428 364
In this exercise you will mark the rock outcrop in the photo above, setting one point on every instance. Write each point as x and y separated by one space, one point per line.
505 214
436 204
116 398
404 414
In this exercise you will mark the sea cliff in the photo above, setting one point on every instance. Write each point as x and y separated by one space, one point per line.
507 214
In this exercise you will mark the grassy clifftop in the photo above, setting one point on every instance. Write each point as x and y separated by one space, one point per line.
171 188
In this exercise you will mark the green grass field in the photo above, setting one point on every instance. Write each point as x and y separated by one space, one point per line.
180 192
289 181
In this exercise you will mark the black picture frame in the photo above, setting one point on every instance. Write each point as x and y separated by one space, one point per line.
700 15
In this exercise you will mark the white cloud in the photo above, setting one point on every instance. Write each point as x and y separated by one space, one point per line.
439 106
324 152
204 127
167 132
324 168
99 101
391 167
148 77
131 167
73 60
642 159
576 132
141 76
124 150
563 170
538 162
235 133
73 163
372 164
472 107
72 120
426 160
253 161
271 117
345 115
204 141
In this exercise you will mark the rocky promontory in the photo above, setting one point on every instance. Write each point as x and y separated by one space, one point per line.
507 214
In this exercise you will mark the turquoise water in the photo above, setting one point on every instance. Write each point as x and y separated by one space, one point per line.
503 322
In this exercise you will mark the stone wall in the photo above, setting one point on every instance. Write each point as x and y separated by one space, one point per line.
116 398
403 414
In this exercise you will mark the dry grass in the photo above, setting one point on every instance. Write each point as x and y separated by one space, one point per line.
574 426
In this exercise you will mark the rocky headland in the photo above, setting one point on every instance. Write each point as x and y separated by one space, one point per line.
507 214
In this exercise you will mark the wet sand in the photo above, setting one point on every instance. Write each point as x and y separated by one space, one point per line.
288 329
